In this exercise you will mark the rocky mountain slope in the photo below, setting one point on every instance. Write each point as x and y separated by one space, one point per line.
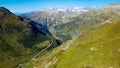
65 25
54 16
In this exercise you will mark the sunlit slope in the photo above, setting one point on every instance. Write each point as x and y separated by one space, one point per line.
96 48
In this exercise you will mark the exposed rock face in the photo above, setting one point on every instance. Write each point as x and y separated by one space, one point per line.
64 25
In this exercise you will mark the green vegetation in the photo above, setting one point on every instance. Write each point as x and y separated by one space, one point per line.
10 63
18 41
95 48
45 57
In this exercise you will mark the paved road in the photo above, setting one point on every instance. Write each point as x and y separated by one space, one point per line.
36 56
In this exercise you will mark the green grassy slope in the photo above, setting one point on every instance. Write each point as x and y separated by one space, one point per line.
18 39
96 48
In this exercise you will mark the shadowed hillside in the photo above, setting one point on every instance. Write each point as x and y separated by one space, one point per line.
18 38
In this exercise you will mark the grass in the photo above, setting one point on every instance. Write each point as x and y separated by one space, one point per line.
97 47
49 55
18 39
11 63
14 63
105 39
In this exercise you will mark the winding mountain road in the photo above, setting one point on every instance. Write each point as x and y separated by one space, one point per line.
35 57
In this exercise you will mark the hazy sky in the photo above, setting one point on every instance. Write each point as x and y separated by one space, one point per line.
33 5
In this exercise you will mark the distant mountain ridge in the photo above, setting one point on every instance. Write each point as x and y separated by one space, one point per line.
66 9
66 25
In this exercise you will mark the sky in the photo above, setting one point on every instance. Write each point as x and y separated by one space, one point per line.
22 6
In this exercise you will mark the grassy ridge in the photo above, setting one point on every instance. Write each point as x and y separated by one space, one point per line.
96 48
18 39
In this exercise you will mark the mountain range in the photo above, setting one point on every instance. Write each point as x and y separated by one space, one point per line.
64 25
82 38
